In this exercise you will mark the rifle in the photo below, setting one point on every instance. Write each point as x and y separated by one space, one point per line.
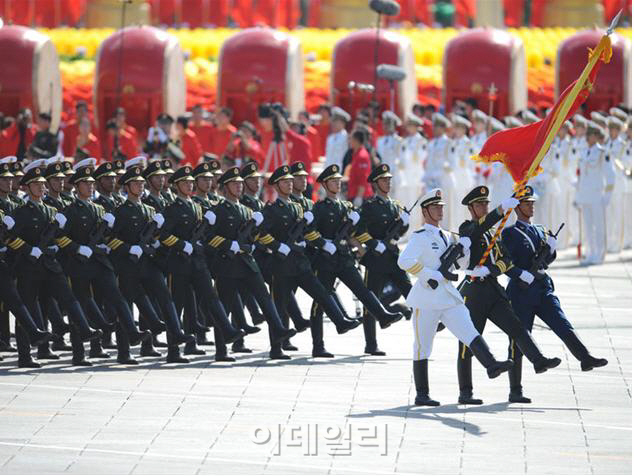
146 236
450 258
296 233
46 239
393 231
245 235
539 260
199 234
95 237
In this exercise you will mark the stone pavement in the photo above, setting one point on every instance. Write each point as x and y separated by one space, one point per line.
349 415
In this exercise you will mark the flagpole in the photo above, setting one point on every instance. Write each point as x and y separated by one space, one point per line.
520 187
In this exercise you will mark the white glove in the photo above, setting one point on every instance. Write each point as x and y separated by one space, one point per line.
465 241
551 241
354 216
159 219
380 247
156 245
433 274
136 250
85 251
8 222
284 249
478 272
188 248
302 244
527 277
36 252
309 217
235 247
258 217
210 217
60 219
404 217
329 247
104 247
510 202
109 218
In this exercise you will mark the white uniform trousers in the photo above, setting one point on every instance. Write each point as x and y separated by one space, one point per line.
425 322
594 231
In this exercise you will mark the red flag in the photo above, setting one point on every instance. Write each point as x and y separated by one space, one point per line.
522 148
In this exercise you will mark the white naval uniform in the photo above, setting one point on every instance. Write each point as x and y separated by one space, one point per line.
616 149
389 150
430 306
477 141
464 173
569 235
439 173
549 207
413 155
336 148
596 181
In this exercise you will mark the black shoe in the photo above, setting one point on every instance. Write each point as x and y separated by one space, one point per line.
279 356
177 359
258 319
373 351
41 337
285 335
289 347
81 363
389 319
61 346
93 334
498 368
250 330
467 399
4 347
303 325
98 354
590 363
224 358
47 356
139 337
157 343
148 350
240 349
192 349
518 397
424 401
545 364
323 354
204 341
29 364
109 344
199 328
348 326
237 335
183 338
127 361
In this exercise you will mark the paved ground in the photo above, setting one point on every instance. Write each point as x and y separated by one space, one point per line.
349 415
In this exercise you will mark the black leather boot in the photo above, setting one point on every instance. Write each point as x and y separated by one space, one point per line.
174 356
516 393
481 351
96 351
527 346
382 315
421 382
78 319
581 353
465 380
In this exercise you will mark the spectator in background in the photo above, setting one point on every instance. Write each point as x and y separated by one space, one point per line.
337 141
45 143
119 143
71 130
300 150
203 129
86 141
312 134
360 167
222 132
323 127
16 139
158 136
120 117
244 146
188 142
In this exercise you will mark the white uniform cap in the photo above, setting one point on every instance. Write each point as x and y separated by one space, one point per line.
9 159
89 162
390 116
339 113
138 160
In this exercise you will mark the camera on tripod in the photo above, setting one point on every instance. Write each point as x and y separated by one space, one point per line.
267 110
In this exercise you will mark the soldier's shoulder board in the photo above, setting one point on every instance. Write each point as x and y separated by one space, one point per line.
420 230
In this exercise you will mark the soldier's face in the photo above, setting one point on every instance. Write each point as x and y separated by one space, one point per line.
384 184
235 188
479 209
5 184
186 187
527 208
300 182
56 184
435 212
333 185
253 184
136 188
85 189
157 182
285 186
107 183
203 184
36 189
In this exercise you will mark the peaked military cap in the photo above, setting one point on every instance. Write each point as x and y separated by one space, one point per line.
119 166
478 194
132 174
214 165
330 172
250 170
529 195
84 171
433 197
232 174
338 113
34 172
154 168
167 166
16 169
182 173
55 169
388 115
439 120
104 170
298 168
380 171
280 173
5 170
202 170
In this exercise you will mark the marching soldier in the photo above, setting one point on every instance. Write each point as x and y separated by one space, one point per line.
169 195
285 234
434 299
615 148
383 221
532 291
36 227
483 295
182 235
16 195
55 179
156 180
133 242
388 147
106 182
234 235
88 266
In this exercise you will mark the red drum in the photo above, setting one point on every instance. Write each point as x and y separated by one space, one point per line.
30 74
614 80
354 65
477 58
260 65
140 69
